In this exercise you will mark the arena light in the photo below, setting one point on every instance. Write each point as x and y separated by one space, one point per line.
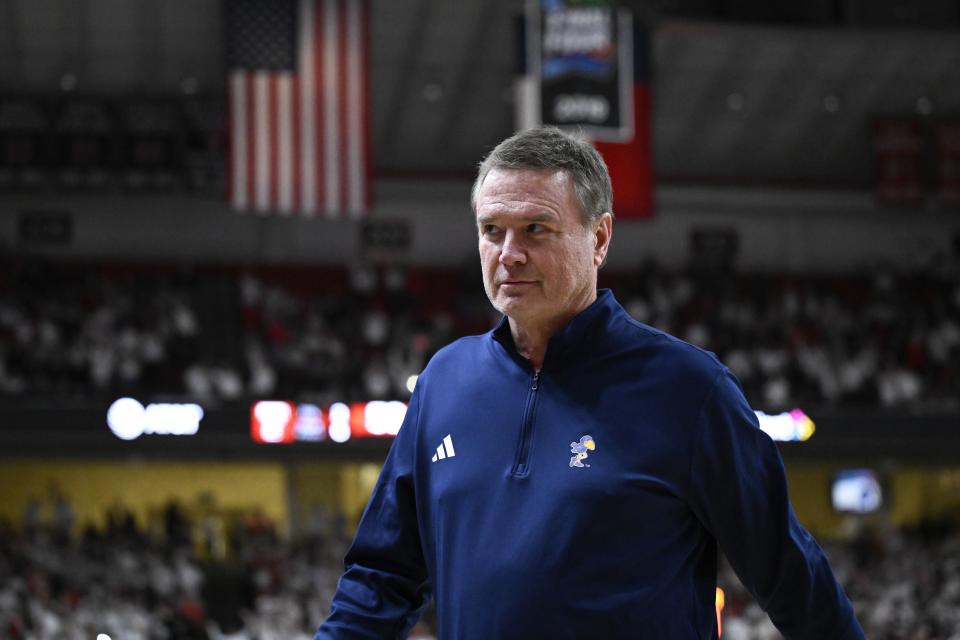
856 491
309 425
271 421
384 418
128 419
339 428
283 422
789 426
720 602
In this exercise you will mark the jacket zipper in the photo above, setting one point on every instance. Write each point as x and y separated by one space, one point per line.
526 429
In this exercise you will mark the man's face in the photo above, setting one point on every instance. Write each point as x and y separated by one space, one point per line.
539 260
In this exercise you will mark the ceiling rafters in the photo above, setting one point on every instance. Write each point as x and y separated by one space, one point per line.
403 89
12 51
439 73
468 73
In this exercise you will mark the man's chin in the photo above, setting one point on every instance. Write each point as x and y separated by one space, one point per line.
514 304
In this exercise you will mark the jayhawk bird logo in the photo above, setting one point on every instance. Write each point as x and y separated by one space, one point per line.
579 451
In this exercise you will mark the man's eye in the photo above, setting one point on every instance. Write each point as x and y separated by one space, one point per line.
489 229
535 228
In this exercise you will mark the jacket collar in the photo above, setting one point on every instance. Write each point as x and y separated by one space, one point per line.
574 335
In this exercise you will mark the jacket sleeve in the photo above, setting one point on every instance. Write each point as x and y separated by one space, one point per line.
739 492
384 585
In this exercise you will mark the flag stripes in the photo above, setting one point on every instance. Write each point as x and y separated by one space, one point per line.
299 135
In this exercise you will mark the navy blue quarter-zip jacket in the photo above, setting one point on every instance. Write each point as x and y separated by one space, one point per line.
586 500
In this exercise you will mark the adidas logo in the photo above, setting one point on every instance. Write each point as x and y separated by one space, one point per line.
445 450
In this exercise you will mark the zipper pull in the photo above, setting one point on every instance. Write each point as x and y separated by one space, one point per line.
536 380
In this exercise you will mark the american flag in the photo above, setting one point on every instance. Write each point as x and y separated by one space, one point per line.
297 90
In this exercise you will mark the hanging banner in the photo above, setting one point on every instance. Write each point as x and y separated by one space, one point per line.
581 56
585 68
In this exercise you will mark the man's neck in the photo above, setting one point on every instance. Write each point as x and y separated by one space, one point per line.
531 338
531 342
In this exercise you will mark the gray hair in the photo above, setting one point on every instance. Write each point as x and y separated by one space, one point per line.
549 148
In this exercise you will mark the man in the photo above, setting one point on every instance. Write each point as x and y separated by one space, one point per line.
571 473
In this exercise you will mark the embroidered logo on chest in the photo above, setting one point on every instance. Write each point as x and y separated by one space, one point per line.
445 450
579 451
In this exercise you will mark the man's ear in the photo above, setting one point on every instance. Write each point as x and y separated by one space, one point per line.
602 233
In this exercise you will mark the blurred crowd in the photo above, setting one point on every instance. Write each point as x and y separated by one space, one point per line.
188 574
878 339
904 585
882 339
197 573
71 331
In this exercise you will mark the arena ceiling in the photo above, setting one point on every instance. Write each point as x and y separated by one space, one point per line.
732 102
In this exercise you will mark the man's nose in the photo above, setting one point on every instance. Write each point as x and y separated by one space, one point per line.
512 252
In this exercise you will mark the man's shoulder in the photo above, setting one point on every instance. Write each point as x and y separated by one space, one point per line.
464 345
461 351
668 353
